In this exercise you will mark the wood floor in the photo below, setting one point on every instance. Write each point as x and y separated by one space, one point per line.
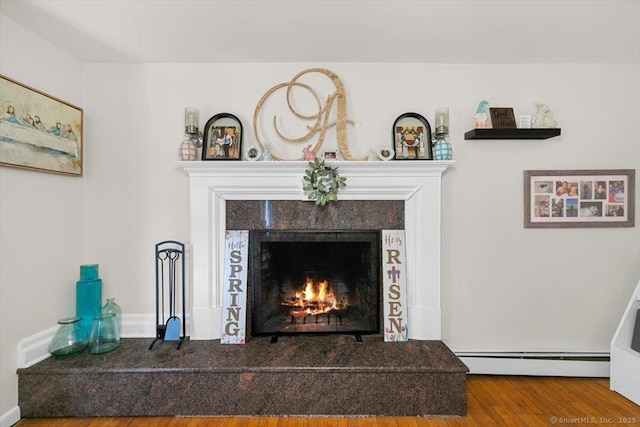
492 401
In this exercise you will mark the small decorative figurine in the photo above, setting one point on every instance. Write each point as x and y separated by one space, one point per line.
308 154
544 117
266 152
481 118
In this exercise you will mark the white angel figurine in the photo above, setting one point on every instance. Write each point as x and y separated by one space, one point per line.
544 117
266 153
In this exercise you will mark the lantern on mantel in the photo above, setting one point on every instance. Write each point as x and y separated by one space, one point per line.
442 147
191 122
188 147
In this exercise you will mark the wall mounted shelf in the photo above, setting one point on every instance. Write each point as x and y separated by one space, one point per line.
536 133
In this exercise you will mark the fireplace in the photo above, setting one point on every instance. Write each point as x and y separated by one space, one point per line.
315 282
330 375
214 185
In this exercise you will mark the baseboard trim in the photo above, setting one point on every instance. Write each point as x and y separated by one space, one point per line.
33 349
551 363
138 325
10 418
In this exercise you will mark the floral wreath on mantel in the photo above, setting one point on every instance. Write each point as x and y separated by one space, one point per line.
323 182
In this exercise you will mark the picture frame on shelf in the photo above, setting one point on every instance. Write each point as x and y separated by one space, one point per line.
329 155
385 154
253 153
222 139
39 131
579 198
502 118
412 137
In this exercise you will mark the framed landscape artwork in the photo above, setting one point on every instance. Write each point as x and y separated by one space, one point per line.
579 198
38 131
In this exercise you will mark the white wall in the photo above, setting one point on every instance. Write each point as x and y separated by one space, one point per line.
504 287
41 214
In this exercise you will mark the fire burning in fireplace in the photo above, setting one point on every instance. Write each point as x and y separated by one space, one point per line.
315 299
315 282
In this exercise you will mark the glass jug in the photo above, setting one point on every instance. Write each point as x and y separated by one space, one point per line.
112 307
70 340
104 335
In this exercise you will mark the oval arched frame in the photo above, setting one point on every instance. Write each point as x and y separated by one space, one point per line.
222 138
412 137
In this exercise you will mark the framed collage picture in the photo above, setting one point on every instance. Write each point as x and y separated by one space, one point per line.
579 198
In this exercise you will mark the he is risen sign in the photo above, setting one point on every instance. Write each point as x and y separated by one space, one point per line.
394 286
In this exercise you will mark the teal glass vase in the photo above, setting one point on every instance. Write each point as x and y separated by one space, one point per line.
88 295
112 308
70 339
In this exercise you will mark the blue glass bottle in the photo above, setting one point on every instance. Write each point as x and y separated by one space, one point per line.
88 295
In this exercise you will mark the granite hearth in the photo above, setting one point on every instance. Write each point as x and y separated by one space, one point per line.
301 375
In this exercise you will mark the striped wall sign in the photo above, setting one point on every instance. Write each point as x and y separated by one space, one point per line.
234 297
394 283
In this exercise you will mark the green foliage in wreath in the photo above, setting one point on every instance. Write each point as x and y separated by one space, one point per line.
322 182
410 131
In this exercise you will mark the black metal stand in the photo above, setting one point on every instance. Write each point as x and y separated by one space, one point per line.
170 291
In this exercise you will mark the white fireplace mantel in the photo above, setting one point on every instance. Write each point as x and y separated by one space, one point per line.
418 183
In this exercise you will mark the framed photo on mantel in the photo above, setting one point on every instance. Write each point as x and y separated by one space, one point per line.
579 198
412 138
222 138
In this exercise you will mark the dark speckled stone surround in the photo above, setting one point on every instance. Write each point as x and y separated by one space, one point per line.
298 215
301 375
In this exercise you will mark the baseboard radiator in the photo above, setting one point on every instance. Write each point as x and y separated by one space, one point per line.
535 363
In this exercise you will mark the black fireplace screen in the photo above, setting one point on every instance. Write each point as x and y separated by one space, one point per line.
315 282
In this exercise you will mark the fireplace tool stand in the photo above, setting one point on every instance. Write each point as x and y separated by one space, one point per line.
170 292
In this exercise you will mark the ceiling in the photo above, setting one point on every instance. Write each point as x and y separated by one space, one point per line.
191 31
